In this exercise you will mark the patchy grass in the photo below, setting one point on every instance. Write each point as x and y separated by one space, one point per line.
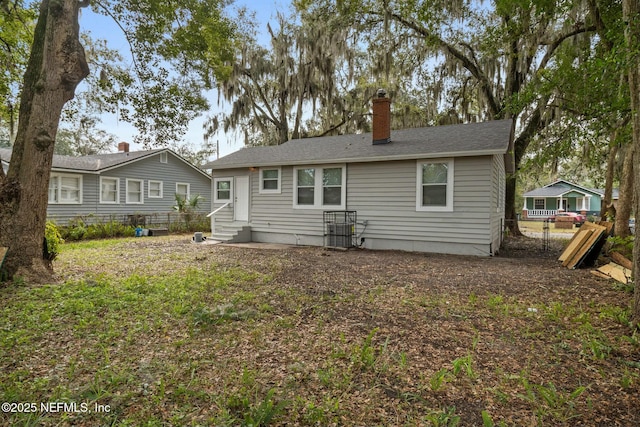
537 227
158 331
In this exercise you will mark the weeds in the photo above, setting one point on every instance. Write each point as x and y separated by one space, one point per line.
251 411
445 417
438 379
464 363
444 375
550 402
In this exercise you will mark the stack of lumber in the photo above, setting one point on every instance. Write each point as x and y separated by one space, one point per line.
618 269
3 253
585 246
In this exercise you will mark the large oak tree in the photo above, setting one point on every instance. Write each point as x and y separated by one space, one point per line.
631 14
477 61
177 49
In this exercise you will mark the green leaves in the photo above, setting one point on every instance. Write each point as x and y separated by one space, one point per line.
16 35
178 50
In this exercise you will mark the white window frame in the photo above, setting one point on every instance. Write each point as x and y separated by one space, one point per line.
58 189
53 180
141 182
110 178
188 185
544 203
216 199
318 188
151 181
583 201
163 157
448 207
279 180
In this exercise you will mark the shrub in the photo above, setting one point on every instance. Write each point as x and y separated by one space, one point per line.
79 230
53 240
624 245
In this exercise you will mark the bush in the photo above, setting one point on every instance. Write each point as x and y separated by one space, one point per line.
622 245
76 230
79 230
53 240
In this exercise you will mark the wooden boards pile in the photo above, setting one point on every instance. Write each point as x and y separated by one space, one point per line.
620 269
614 271
586 244
3 253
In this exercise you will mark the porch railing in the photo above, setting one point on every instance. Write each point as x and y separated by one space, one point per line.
541 213
212 215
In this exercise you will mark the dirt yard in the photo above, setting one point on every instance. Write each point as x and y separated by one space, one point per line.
390 338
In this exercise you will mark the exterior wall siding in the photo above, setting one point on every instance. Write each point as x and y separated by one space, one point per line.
498 199
175 170
384 195
225 215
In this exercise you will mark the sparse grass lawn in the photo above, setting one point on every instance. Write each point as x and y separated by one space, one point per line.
537 226
162 332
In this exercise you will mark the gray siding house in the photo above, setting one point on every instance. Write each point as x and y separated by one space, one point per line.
437 189
121 184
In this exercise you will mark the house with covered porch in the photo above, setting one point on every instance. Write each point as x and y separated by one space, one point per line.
544 202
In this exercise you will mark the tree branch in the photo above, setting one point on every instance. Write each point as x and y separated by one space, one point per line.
467 63
124 31
263 97
554 44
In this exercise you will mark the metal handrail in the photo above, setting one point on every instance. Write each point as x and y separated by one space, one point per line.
212 215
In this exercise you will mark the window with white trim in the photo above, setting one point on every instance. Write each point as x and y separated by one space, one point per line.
583 203
65 189
332 187
163 157
320 187
270 180
53 189
109 190
305 187
135 191
434 190
183 189
539 204
155 189
222 189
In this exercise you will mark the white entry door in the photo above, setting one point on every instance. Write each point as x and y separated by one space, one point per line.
241 200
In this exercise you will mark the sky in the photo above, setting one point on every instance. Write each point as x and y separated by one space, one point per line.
104 28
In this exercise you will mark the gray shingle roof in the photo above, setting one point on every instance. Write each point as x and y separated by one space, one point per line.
438 141
560 187
548 192
93 163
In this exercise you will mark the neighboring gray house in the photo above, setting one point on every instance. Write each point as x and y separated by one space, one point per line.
121 184
437 189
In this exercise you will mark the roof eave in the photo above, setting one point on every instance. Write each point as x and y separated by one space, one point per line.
362 159
71 170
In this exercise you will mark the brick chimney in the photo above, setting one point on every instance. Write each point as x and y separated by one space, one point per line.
381 118
123 147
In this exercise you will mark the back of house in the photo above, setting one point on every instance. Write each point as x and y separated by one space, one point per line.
436 189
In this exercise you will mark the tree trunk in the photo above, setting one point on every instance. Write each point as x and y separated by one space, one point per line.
56 65
631 15
607 210
510 211
512 163
625 199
